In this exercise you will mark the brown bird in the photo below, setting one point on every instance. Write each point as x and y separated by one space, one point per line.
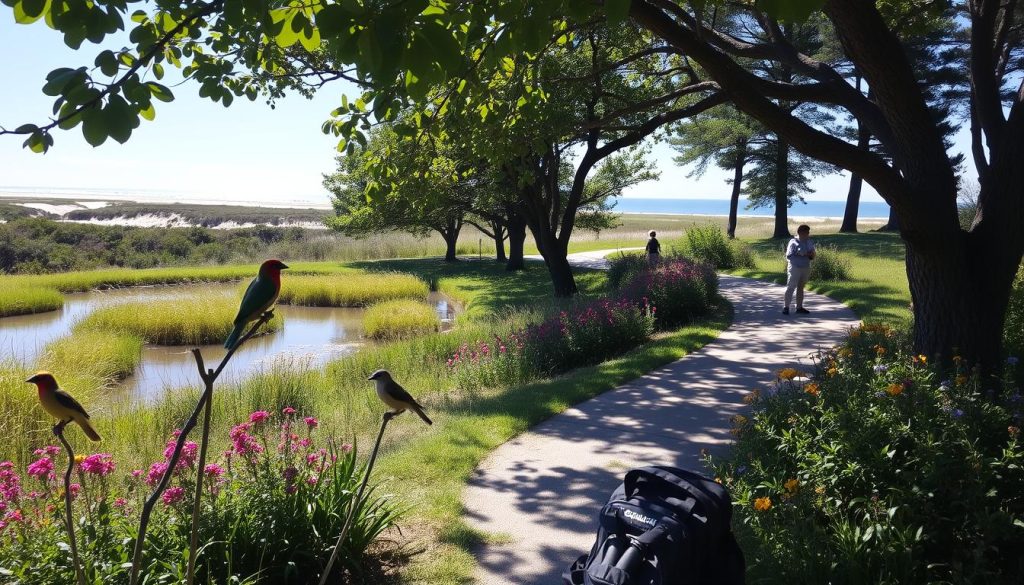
392 394
60 404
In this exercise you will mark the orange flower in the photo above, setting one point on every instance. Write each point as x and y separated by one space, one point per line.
855 333
832 372
920 360
762 504
792 485
894 389
961 380
1013 430
752 396
879 350
845 352
787 373
819 490
812 388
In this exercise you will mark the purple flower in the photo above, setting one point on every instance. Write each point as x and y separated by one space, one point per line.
173 495
156 473
957 413
101 464
1012 360
213 470
881 369
311 422
41 468
289 473
259 416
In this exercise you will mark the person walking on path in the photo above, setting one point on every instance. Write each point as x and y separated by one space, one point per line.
653 250
799 254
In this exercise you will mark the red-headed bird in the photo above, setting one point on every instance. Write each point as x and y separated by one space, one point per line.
260 296
60 404
392 394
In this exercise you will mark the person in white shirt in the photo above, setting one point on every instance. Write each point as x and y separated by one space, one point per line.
799 254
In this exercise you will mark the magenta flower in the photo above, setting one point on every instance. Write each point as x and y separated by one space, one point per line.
244 443
173 495
259 416
41 468
101 464
156 473
311 422
49 450
346 448
287 410
213 470
120 503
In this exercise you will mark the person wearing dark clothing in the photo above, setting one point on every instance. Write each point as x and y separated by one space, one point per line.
653 250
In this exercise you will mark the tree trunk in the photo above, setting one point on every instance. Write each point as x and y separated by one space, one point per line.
555 257
737 184
893 225
856 182
516 239
450 241
782 191
499 241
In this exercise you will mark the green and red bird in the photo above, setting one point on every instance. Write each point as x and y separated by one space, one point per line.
60 404
259 297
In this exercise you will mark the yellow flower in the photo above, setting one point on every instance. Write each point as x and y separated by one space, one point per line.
752 396
791 485
832 372
79 459
762 504
845 352
961 380
812 388
920 360
894 389
788 374
819 490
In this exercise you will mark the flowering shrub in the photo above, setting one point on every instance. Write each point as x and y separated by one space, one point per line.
582 335
882 468
276 500
678 289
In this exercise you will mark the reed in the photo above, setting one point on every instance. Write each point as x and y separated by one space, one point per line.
100 354
180 321
400 319
353 289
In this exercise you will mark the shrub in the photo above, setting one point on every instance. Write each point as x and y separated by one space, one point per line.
179 321
1013 337
829 264
708 244
275 504
351 290
400 319
623 267
882 468
677 289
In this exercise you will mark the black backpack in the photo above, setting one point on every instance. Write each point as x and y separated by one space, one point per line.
663 526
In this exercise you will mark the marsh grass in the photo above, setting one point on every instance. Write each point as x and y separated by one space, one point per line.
352 289
106 356
399 319
23 300
183 321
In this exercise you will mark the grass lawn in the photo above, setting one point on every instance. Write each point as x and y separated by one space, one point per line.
878 290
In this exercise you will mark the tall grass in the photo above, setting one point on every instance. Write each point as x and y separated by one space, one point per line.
399 319
184 321
23 300
350 289
101 354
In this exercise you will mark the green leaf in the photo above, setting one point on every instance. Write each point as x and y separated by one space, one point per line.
160 92
445 49
119 119
107 62
148 112
38 142
158 71
94 127
58 80
29 11
617 11
287 37
790 10
310 37
332 21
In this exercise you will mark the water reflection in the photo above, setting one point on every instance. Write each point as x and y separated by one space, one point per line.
311 336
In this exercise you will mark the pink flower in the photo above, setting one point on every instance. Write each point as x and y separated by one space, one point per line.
156 473
136 474
14 516
346 448
243 442
304 442
311 422
287 410
50 450
173 495
120 503
311 480
75 488
41 468
101 464
213 470
259 416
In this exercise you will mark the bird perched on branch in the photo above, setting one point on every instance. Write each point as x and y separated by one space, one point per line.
258 298
60 404
392 394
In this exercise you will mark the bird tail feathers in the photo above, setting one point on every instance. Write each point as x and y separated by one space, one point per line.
419 411
87 428
233 337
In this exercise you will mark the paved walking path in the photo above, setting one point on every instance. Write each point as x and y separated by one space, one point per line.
541 491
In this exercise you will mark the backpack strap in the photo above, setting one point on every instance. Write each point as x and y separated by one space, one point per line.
633 476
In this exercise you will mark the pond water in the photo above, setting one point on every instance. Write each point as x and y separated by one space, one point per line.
310 337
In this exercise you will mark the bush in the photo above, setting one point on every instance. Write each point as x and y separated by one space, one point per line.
708 244
180 321
829 264
399 319
1013 337
274 505
624 266
677 289
882 468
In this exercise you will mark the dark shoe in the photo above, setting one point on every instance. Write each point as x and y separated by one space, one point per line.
785 310
802 311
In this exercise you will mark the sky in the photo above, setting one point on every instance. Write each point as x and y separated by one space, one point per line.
199 151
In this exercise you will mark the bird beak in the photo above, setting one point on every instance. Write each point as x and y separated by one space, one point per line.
31 380
370 378
283 266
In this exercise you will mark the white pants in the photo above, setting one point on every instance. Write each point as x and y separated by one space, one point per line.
796 278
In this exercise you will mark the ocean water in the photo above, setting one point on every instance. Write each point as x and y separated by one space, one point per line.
868 209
